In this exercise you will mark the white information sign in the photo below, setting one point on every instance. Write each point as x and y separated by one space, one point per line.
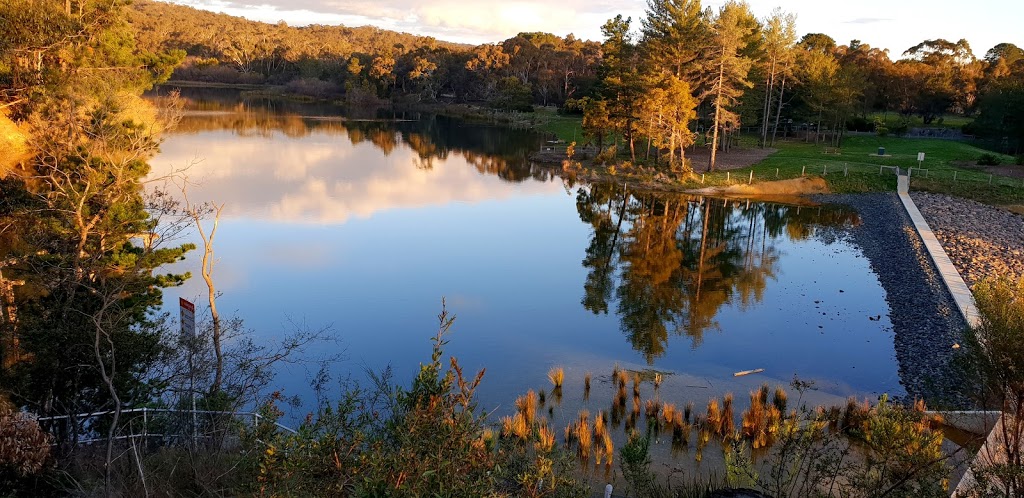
188 318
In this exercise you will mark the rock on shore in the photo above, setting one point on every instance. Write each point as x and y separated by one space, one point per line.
925 319
981 240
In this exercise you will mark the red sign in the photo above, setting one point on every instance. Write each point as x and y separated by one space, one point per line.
188 317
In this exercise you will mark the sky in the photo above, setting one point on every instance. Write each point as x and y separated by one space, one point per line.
890 24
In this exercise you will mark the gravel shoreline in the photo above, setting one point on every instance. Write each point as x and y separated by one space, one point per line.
981 240
925 319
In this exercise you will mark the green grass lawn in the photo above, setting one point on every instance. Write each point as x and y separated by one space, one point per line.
893 119
855 167
567 127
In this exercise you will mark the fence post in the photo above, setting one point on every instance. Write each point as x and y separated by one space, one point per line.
776 172
990 179
702 178
728 176
751 180
824 171
803 171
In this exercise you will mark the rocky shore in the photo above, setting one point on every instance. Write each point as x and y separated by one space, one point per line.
925 319
981 240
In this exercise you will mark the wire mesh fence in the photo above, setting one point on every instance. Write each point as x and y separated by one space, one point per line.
155 426
847 169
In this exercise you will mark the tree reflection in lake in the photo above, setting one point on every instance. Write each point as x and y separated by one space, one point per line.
672 262
492 150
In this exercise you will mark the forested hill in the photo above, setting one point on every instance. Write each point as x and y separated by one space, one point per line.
367 63
256 49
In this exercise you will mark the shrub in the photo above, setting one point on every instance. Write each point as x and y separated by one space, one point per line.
606 156
573 106
24 446
425 440
858 123
993 353
987 159
312 87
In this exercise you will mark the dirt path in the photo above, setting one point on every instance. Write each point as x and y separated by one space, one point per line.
733 159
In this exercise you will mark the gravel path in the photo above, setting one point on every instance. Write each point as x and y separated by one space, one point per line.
981 240
926 323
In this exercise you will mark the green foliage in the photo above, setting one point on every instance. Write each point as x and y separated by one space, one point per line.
993 359
88 325
989 160
424 440
511 94
885 450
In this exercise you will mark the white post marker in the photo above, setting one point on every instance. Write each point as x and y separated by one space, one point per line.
920 159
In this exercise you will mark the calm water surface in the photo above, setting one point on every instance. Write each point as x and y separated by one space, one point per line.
364 223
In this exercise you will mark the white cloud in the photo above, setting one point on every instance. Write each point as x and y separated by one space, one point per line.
489 21
322 179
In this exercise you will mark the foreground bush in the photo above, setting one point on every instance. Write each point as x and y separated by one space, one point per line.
427 440
24 446
995 356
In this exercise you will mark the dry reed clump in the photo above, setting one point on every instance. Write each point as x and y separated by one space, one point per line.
557 376
651 409
762 420
636 406
583 434
714 416
855 416
681 429
586 382
545 439
621 377
726 426
527 406
600 427
687 411
609 448
668 414
636 384
515 426
781 399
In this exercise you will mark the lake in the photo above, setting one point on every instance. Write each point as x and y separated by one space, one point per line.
365 222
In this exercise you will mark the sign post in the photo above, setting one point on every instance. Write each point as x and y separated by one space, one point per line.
920 159
188 335
188 318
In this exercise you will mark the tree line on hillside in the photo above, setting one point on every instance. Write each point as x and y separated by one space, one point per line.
682 74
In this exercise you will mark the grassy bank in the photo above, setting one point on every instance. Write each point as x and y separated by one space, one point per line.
948 166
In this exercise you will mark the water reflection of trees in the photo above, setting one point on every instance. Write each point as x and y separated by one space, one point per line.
492 150
671 262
